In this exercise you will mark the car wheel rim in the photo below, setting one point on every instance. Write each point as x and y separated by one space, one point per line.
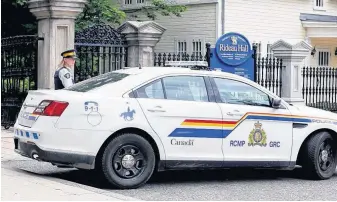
326 157
128 162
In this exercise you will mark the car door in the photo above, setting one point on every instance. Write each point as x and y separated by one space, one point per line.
180 110
256 134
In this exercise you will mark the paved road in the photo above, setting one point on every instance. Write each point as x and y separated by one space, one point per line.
197 185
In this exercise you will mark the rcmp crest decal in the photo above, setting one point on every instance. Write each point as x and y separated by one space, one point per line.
257 136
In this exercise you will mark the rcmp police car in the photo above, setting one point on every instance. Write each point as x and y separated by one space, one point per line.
130 123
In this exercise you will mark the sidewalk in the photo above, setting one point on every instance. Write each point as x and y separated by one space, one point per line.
17 185
7 147
20 186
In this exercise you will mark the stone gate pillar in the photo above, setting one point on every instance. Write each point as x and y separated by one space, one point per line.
141 39
56 25
293 60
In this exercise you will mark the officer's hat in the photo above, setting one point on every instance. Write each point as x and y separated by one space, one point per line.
69 54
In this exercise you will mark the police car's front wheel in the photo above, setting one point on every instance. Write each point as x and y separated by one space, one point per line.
321 152
128 161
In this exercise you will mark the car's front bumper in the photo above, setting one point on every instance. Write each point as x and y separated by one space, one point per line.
31 150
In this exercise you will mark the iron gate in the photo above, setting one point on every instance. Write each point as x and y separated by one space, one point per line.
100 49
18 74
268 72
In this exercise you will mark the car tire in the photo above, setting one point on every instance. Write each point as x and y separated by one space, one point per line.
320 157
128 161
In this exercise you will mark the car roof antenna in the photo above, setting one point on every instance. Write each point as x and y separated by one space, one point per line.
140 66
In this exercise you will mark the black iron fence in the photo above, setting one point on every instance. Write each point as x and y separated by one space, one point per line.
100 49
320 87
18 74
268 73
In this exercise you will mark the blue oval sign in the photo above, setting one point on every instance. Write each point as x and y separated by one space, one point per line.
233 49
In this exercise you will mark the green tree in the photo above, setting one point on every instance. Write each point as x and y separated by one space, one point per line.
17 19
108 11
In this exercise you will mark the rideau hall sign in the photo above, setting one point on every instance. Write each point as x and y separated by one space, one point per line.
233 53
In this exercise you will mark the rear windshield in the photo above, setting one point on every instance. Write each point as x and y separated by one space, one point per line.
97 81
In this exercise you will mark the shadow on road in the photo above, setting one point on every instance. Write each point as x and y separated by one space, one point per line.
92 179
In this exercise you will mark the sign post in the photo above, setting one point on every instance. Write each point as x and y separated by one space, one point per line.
233 53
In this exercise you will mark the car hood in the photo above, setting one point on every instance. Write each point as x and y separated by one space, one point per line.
298 110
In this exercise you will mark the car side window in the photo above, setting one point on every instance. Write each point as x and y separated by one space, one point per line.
236 92
187 88
152 90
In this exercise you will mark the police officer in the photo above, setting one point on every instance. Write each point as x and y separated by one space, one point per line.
63 77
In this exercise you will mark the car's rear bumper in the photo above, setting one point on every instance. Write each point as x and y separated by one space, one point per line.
70 146
31 150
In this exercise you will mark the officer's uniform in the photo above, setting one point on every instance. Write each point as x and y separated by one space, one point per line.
63 77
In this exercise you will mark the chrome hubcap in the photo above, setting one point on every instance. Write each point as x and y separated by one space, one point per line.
324 155
128 161
326 158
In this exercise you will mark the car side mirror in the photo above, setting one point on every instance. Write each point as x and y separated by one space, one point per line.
276 103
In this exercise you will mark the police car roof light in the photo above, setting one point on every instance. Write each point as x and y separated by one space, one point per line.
197 67
194 65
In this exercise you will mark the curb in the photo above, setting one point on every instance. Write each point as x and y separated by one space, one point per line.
62 187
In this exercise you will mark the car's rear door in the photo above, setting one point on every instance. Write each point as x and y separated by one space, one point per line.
182 111
256 134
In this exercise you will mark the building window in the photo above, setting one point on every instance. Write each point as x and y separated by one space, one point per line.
140 1
323 58
192 46
182 47
258 49
127 1
319 3
269 51
196 47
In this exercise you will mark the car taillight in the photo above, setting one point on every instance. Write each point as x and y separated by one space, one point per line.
50 108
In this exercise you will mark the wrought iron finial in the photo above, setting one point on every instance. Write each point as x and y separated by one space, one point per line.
100 34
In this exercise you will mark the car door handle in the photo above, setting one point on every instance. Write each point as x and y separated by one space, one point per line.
234 113
156 109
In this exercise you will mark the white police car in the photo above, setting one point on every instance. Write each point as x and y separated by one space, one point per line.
132 122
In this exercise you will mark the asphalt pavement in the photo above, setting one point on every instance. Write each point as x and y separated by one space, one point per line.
196 185
192 185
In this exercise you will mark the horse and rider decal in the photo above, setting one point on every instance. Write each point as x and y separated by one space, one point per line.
128 115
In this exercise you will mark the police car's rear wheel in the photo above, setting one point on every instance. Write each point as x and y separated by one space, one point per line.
128 161
321 156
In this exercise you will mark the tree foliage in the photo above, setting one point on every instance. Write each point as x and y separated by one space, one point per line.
159 7
17 19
